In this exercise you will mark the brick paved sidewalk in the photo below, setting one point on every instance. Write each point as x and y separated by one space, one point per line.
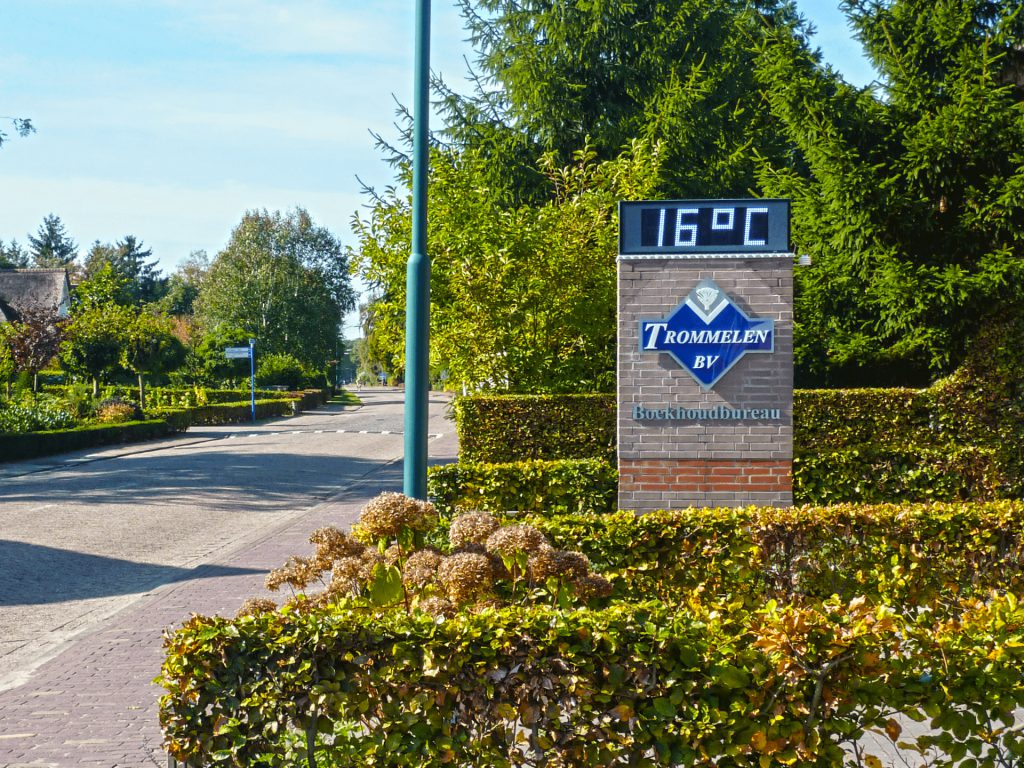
95 703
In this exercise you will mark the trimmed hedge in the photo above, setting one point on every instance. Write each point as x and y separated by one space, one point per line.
503 428
835 419
632 685
14 447
905 554
909 474
552 487
867 445
238 412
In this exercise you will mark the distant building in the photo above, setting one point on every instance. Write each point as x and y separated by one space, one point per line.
21 288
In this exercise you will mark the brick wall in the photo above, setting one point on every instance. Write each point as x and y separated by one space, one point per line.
667 463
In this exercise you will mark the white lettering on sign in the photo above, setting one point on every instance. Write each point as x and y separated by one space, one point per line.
746 228
691 229
705 361
730 218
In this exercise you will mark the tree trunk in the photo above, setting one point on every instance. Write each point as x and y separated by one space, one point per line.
95 387
142 393
35 382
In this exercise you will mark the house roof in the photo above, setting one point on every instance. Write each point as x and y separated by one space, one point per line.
32 288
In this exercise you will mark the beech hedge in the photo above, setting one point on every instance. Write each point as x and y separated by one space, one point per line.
551 487
503 428
775 637
906 554
704 683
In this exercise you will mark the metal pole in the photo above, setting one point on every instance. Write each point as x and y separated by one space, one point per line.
252 377
417 308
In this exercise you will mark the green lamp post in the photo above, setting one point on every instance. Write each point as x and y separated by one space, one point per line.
417 307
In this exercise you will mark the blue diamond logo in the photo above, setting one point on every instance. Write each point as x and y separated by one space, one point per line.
707 334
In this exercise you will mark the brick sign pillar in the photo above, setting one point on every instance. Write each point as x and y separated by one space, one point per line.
705 354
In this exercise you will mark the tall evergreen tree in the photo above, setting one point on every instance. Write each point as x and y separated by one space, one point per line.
677 73
12 255
912 202
51 246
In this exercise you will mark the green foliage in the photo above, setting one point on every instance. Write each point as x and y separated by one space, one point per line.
12 255
911 473
536 486
825 419
908 555
22 126
35 413
675 72
15 447
636 684
128 260
282 280
281 369
911 199
94 338
51 247
522 299
503 428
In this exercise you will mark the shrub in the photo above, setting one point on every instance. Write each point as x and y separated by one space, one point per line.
702 683
836 419
35 413
907 555
281 370
14 447
387 563
565 485
114 410
504 428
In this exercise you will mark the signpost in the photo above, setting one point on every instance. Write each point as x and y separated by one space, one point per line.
240 353
705 353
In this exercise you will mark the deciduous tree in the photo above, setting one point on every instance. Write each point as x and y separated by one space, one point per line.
282 280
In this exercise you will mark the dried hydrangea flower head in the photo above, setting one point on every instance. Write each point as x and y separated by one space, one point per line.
465 576
421 568
385 516
297 572
558 563
436 606
512 540
472 528
334 544
592 585
255 606
351 574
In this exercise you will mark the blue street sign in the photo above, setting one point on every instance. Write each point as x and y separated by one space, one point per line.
707 334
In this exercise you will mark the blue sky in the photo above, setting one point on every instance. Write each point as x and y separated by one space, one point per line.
168 119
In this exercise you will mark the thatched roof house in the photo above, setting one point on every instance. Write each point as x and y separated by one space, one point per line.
20 288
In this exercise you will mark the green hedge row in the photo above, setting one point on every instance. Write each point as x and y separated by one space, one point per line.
904 554
631 685
14 447
567 485
865 445
503 428
908 474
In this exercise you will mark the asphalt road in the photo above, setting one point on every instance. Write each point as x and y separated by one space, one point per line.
84 535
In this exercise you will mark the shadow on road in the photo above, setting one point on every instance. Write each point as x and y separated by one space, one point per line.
215 480
37 575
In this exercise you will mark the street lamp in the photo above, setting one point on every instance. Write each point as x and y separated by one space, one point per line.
417 302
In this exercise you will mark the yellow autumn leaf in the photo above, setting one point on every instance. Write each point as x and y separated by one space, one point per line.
893 729
873 762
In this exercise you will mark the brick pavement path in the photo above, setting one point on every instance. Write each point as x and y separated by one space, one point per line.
95 704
